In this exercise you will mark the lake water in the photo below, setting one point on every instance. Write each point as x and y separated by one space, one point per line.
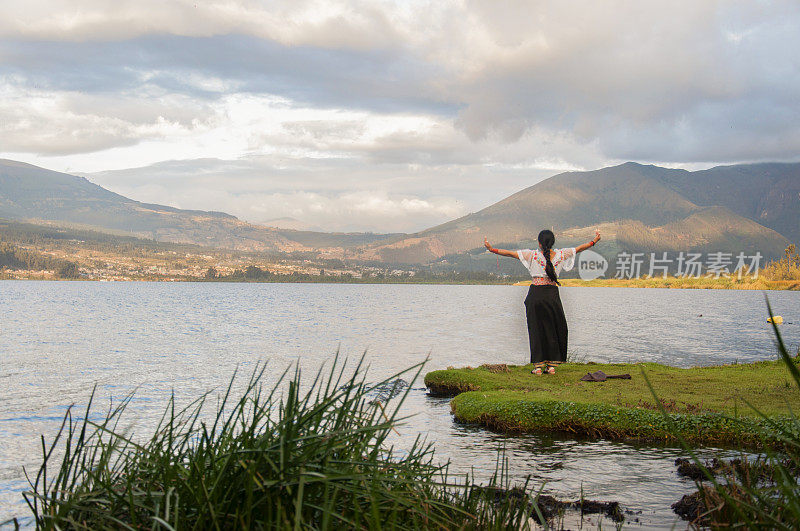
59 339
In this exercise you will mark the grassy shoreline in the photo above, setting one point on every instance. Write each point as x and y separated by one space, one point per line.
670 282
681 283
777 285
325 280
704 406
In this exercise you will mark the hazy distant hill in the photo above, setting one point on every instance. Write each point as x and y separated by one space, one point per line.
638 207
30 192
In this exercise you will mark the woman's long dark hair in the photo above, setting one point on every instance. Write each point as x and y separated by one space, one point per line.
547 239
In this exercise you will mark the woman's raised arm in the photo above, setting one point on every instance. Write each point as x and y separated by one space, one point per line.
585 246
501 252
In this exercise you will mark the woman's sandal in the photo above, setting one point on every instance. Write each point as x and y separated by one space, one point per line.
538 368
545 367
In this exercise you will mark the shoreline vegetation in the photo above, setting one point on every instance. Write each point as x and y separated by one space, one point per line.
703 405
43 252
745 283
287 456
783 274
458 278
466 279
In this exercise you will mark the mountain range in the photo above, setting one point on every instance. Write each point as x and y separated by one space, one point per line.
747 207
637 207
31 193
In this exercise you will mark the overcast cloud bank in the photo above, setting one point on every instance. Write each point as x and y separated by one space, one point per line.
388 116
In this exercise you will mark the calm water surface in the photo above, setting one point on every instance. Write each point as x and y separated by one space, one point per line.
59 339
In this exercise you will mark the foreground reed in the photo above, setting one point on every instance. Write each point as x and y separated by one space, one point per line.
273 458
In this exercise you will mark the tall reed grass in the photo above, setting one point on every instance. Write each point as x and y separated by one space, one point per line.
276 457
787 268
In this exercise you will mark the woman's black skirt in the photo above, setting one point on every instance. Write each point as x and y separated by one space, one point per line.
547 326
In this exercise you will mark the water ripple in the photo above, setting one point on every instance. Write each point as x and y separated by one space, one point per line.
58 340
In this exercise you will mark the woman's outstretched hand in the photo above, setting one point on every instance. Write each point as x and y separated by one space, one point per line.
584 246
501 252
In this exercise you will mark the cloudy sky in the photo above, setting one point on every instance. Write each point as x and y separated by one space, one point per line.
392 115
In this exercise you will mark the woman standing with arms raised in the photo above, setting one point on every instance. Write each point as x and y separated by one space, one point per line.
547 326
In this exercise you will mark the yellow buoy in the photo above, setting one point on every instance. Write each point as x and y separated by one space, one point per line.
777 319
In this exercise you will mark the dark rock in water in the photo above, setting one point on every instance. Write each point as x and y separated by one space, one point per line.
550 507
736 472
610 509
385 391
501 495
692 470
382 392
690 506
689 469
632 516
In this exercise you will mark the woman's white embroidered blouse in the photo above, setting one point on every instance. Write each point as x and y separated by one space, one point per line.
534 261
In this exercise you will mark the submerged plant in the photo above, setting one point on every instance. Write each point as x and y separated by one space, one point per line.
274 458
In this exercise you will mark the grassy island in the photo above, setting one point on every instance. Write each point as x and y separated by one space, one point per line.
707 405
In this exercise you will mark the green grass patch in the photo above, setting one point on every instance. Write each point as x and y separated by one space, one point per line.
708 405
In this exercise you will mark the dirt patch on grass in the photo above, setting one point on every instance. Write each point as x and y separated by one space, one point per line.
495 368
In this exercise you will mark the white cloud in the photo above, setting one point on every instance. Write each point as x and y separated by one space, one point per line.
63 123
363 210
406 101
360 211
355 24
632 76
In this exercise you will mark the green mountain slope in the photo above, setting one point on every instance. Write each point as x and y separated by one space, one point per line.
639 208
768 193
